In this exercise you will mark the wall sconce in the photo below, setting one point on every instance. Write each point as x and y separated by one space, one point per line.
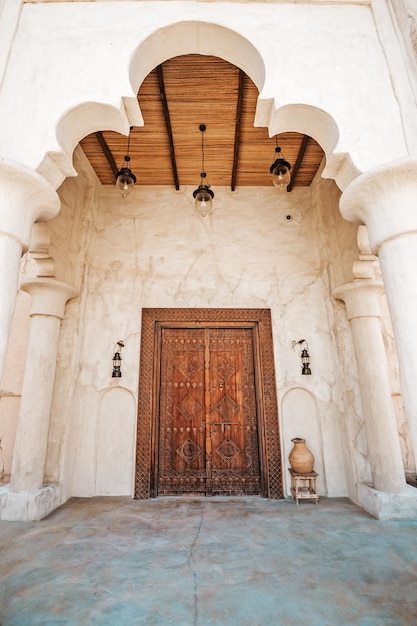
125 178
203 195
117 359
280 170
305 357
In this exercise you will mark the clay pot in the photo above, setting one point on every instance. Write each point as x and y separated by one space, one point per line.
300 458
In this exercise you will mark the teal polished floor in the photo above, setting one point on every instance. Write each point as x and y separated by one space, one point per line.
194 562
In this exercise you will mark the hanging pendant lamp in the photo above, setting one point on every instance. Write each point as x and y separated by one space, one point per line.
125 178
280 170
203 195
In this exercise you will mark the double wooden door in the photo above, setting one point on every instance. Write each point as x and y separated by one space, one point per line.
206 427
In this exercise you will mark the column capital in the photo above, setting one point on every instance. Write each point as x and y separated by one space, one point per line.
361 297
49 296
385 200
25 197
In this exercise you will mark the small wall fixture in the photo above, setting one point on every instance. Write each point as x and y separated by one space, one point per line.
125 178
305 357
280 170
203 195
117 360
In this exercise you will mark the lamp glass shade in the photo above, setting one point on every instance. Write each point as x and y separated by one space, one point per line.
305 359
203 200
117 361
125 180
281 176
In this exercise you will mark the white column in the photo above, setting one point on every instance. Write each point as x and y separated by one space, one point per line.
362 299
49 297
398 261
25 197
385 199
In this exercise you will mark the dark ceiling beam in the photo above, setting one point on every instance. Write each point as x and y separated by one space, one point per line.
167 119
298 161
239 108
107 152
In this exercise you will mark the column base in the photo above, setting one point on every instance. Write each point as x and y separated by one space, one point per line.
29 506
388 506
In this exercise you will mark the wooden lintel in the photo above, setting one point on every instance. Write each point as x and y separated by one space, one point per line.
167 119
239 107
298 161
107 152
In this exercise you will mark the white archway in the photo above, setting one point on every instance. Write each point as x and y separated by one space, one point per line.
191 37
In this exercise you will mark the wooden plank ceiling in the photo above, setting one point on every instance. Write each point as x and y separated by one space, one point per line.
178 96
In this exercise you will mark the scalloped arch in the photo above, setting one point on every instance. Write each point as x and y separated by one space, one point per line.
204 38
194 37
212 39
309 120
86 118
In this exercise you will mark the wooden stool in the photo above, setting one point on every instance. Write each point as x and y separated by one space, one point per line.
304 486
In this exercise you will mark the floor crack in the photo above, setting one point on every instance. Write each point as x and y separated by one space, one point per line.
194 573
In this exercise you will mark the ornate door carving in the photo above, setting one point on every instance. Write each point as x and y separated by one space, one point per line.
181 430
207 407
208 423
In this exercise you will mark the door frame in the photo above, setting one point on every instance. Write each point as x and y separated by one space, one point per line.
153 320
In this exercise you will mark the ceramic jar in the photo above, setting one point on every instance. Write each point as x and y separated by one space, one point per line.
300 458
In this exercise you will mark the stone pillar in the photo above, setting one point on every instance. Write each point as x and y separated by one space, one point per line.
362 299
49 297
25 197
385 199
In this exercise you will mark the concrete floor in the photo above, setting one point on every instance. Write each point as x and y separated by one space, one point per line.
194 561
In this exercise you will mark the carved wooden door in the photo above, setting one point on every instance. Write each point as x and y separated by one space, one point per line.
207 427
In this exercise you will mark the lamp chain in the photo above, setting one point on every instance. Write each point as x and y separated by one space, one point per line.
202 155
128 141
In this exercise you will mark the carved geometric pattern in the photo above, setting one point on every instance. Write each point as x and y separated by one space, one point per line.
260 320
188 407
227 407
226 367
227 450
189 451
189 367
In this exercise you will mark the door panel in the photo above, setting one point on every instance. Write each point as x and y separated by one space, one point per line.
208 435
233 419
182 460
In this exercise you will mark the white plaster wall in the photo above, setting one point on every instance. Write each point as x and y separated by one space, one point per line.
406 14
9 17
68 55
339 251
71 233
153 250
115 450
